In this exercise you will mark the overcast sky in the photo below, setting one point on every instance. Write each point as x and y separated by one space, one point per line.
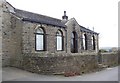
100 14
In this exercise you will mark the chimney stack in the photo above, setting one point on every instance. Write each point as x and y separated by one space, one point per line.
64 17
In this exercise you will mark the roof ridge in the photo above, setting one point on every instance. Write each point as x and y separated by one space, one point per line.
38 14
39 18
85 28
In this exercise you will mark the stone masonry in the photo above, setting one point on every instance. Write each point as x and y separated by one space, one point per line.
17 43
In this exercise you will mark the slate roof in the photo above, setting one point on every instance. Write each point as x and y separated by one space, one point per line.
38 18
87 30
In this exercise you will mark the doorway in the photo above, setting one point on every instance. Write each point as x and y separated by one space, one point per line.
74 42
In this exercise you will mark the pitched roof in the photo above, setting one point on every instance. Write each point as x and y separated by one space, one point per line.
87 30
83 29
38 18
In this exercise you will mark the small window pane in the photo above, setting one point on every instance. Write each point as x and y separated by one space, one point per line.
59 33
40 30
39 42
59 43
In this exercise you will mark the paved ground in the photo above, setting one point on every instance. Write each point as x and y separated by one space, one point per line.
14 74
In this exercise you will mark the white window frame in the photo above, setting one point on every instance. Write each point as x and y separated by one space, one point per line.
39 41
59 37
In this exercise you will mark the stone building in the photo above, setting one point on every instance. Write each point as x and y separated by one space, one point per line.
40 43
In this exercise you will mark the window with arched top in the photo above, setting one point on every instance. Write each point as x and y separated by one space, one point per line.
84 40
59 40
93 42
39 39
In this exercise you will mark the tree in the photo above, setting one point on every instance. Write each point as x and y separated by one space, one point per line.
103 50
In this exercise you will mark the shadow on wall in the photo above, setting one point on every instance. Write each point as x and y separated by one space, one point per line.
119 57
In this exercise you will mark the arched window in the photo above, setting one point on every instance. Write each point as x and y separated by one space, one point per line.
59 40
93 42
84 36
74 47
40 39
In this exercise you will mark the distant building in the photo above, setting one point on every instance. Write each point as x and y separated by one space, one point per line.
114 49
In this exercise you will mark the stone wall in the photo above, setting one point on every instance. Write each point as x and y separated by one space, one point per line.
1 13
109 59
6 34
58 64
11 35
72 25
28 38
17 47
